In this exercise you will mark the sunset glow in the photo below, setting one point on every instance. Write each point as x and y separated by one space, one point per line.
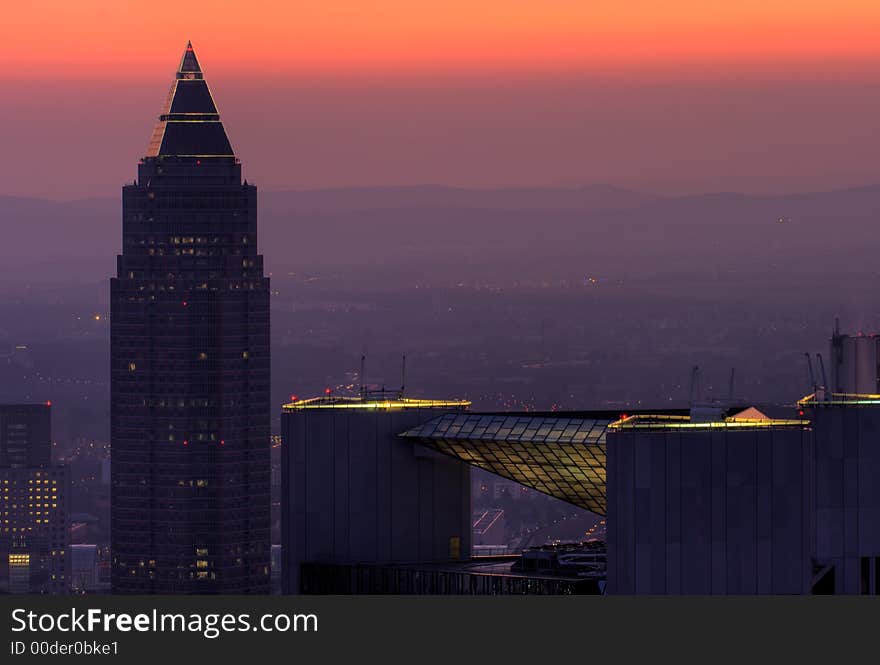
96 38
676 96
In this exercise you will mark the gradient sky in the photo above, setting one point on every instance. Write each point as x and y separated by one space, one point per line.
676 96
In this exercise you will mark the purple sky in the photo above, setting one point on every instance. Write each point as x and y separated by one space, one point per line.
674 132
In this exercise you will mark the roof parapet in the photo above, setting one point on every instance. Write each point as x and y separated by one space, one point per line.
374 403
665 422
839 399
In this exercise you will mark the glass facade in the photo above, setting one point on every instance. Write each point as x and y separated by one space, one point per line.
561 456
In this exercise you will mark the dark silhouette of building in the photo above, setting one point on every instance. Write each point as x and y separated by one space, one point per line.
190 364
748 504
710 506
355 492
25 435
34 510
846 491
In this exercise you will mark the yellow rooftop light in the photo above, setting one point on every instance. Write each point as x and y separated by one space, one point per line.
841 399
658 422
374 403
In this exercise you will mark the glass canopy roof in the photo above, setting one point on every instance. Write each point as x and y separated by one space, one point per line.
563 457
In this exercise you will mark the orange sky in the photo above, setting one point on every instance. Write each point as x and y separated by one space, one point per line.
96 38
669 95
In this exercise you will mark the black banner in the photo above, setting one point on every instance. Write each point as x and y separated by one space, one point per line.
397 629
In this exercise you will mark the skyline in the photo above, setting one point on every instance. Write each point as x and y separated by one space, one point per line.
673 100
549 316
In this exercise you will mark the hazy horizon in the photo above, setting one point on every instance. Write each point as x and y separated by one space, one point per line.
686 137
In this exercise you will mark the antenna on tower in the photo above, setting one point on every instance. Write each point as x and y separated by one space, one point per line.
824 378
695 384
403 376
361 377
813 383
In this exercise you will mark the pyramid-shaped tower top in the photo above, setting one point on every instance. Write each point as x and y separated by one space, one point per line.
189 125
189 62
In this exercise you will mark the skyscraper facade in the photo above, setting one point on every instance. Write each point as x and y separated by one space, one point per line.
190 364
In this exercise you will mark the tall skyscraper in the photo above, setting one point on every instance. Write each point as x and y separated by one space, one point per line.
190 363
34 509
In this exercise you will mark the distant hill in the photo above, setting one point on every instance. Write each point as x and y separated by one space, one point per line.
591 198
443 231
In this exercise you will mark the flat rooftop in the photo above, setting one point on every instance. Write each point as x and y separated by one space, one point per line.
827 399
659 422
375 401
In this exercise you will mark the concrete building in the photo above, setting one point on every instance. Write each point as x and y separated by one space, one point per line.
846 434
354 492
710 500
722 507
748 506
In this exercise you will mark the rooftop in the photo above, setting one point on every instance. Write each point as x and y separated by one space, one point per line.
558 454
825 399
378 400
750 418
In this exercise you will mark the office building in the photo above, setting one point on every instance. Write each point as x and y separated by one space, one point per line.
34 510
190 363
